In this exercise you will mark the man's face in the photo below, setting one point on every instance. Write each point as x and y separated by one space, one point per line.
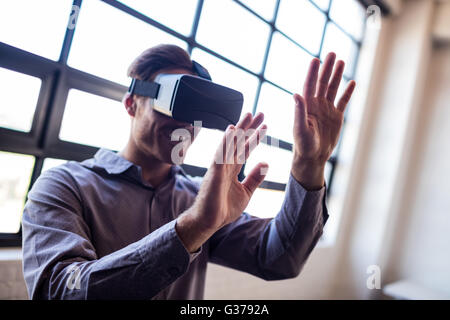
152 130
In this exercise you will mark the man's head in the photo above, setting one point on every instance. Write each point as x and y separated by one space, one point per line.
150 130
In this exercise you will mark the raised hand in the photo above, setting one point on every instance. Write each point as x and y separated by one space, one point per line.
318 121
222 197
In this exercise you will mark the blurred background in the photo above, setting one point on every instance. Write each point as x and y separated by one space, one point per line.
63 73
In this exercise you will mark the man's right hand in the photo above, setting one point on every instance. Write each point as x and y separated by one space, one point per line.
222 197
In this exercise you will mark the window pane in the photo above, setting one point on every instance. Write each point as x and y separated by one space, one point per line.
106 48
232 31
36 26
15 173
287 64
51 163
17 113
230 76
201 152
94 120
265 8
305 26
350 15
163 11
323 4
265 203
279 161
278 108
337 41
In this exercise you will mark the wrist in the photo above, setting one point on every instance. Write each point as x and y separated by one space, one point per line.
309 173
191 232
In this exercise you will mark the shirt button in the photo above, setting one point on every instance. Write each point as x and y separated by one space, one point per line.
173 271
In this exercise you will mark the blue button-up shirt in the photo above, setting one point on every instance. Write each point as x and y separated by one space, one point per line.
96 230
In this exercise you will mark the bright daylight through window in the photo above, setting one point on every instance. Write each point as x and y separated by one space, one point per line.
64 74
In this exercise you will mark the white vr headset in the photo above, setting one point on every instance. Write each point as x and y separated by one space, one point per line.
190 98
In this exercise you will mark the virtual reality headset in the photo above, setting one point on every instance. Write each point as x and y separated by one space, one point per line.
190 98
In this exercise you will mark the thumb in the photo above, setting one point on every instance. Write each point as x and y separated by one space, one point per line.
255 177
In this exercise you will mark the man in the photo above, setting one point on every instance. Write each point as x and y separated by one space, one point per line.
132 225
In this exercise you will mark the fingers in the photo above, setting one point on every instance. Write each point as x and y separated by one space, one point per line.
309 88
248 136
301 115
222 152
245 121
254 140
230 145
342 104
255 177
237 144
325 74
250 122
257 120
335 81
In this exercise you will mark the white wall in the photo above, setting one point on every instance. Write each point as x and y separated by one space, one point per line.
422 245
393 112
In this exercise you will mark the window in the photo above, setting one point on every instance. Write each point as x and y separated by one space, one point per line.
105 122
35 26
284 58
265 203
350 16
279 161
265 8
15 172
230 76
70 79
278 108
181 19
295 15
345 48
51 163
243 38
106 47
17 114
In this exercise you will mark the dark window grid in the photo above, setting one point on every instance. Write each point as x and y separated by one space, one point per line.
192 43
58 78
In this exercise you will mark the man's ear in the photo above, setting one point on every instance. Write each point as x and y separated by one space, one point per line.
130 104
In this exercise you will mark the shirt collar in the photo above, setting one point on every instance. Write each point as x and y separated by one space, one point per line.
111 161
115 164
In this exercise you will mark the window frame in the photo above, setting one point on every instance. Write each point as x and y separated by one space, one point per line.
58 78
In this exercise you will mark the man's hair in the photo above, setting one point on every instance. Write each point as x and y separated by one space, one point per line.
158 58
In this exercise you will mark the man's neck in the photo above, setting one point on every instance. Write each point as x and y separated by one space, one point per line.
154 171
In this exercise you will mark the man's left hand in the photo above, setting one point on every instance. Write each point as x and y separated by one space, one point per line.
318 121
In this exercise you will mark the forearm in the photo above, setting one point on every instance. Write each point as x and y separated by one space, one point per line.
137 271
273 249
294 232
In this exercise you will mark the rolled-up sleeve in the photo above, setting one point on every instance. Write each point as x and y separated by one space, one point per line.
275 248
60 261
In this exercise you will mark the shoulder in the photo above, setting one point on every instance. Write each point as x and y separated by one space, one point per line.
64 173
58 180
